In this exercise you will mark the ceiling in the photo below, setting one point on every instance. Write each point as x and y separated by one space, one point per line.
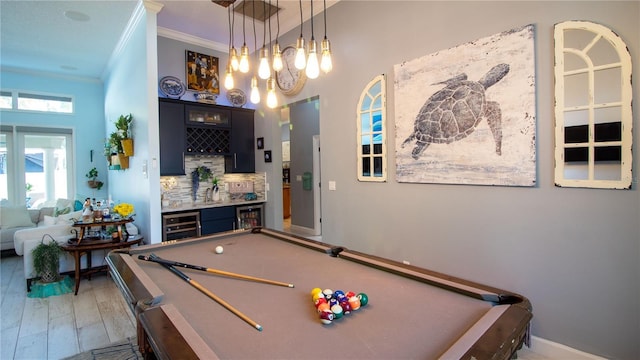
77 38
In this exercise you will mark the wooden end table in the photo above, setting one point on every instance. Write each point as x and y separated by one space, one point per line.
83 226
87 246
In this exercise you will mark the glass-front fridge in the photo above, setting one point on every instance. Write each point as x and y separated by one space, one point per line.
250 216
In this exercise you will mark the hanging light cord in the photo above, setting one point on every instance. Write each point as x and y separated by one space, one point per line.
325 18
269 23
278 18
229 15
311 19
264 24
300 18
255 41
244 37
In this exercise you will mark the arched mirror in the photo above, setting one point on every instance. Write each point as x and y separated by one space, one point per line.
593 107
372 135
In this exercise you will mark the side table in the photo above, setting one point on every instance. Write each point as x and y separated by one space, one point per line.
87 246
83 226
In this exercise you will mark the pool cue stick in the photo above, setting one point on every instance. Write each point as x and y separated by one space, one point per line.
213 296
213 271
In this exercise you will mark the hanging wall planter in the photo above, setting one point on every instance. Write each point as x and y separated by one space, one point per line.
127 146
124 161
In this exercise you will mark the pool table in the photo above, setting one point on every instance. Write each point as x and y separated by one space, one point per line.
412 312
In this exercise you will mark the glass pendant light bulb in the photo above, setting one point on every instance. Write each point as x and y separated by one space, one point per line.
277 57
235 63
255 92
244 59
325 63
228 79
312 70
272 99
264 71
300 61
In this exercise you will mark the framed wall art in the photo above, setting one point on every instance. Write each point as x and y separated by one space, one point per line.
202 72
467 114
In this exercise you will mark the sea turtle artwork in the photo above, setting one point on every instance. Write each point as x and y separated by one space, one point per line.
454 112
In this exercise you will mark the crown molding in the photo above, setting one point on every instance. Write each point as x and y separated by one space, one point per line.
190 39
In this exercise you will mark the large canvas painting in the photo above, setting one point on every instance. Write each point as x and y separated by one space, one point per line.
466 115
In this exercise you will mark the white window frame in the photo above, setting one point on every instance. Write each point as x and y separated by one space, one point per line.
598 33
16 168
18 95
372 97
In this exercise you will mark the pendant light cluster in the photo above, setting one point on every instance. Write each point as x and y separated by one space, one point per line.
306 59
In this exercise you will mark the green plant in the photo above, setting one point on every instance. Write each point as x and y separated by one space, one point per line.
123 124
46 260
115 144
92 175
215 182
28 187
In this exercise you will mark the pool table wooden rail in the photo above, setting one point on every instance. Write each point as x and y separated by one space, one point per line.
500 339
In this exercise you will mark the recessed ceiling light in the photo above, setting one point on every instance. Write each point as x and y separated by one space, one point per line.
76 15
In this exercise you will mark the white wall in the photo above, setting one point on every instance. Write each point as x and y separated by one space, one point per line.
574 253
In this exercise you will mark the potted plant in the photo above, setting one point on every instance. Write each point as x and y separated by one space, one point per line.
216 189
123 125
113 231
93 181
117 152
46 260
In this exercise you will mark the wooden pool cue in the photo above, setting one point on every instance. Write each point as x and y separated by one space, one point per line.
213 296
160 260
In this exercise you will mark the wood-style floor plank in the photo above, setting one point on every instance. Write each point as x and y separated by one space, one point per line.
34 317
9 341
62 338
32 346
92 336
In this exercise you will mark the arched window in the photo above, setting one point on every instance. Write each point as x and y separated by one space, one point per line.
593 107
372 136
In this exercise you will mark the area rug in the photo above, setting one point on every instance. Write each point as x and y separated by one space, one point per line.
43 290
121 350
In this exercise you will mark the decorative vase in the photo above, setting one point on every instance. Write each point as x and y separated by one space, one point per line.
127 146
216 194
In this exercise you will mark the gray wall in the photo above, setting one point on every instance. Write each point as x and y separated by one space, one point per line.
574 253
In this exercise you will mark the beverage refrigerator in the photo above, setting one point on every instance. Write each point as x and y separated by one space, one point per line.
250 216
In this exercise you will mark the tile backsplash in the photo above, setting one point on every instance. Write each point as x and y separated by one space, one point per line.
177 189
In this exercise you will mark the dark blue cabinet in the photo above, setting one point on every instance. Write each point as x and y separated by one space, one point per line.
219 219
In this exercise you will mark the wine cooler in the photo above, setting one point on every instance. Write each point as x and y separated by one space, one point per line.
250 216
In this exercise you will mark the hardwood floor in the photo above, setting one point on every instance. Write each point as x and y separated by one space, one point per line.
59 326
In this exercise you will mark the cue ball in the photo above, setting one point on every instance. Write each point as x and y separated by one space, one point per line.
219 249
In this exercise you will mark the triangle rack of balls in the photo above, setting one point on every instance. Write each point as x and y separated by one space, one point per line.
332 305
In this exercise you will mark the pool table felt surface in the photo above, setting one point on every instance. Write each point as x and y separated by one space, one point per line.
404 318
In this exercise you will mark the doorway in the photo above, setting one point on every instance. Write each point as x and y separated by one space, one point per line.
300 128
